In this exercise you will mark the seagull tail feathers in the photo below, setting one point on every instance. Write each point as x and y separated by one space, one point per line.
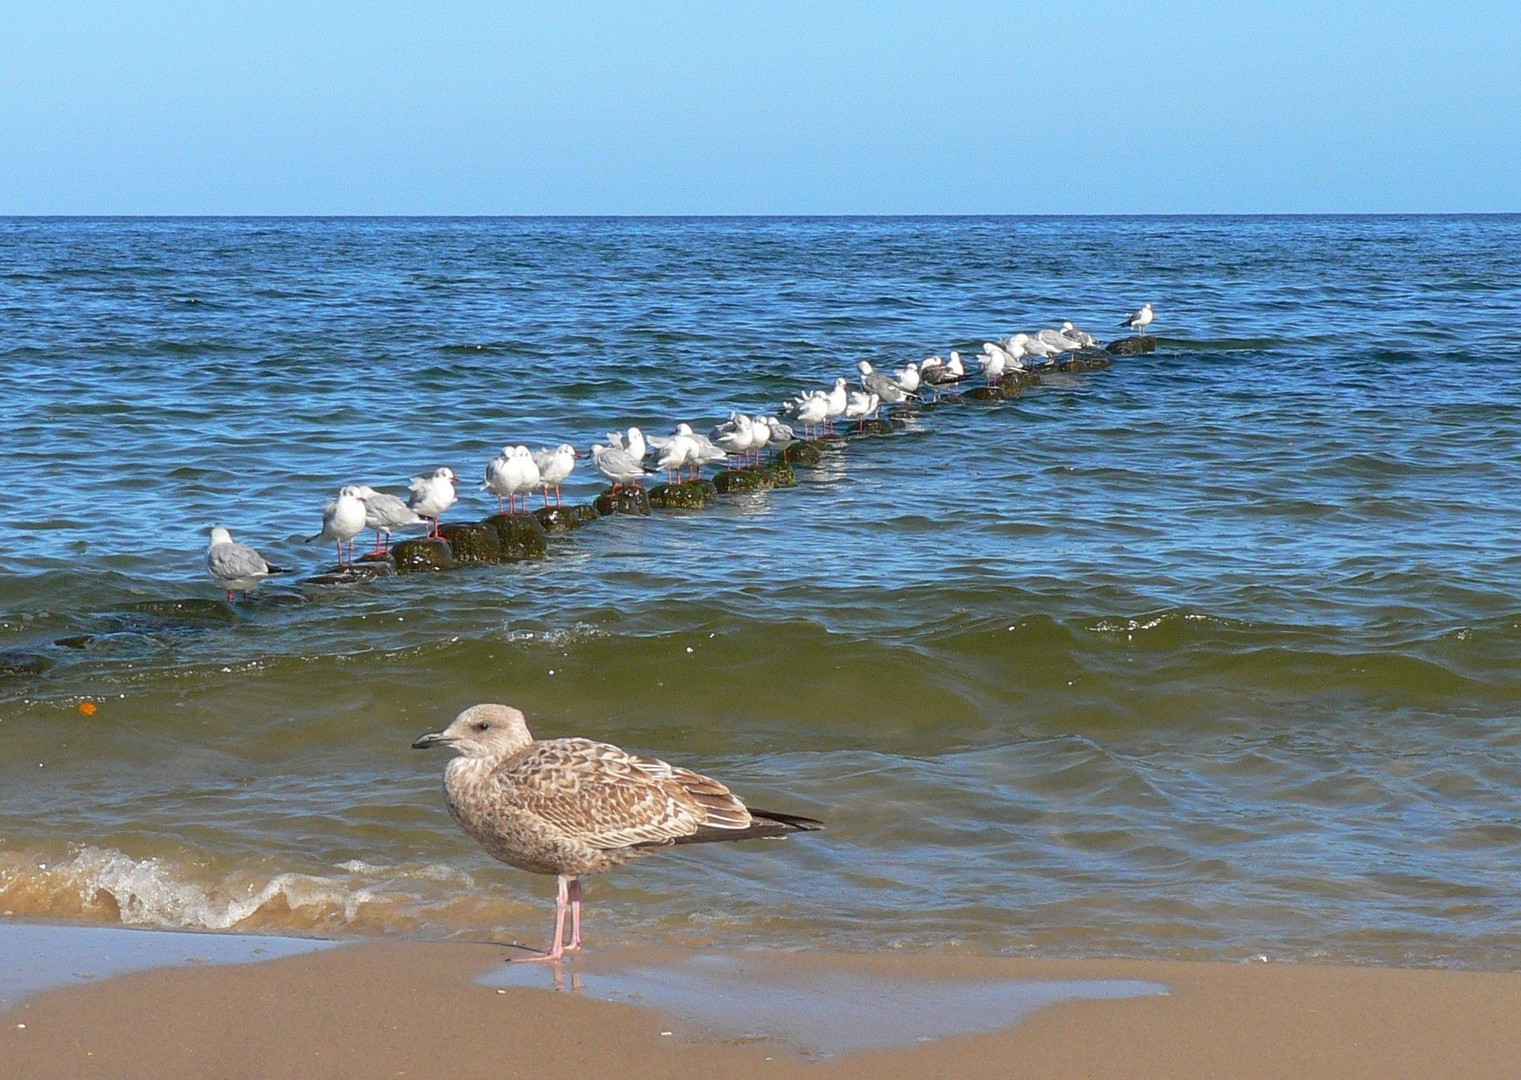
763 823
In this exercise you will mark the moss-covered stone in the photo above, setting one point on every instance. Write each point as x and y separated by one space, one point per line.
881 425
1094 359
801 453
625 501
565 518
985 393
414 556
472 543
1130 346
731 480
687 495
520 536
779 475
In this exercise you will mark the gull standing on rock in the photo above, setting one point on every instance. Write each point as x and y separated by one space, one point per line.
1140 320
618 465
676 453
555 466
632 440
383 513
343 519
861 405
511 473
1082 337
571 807
236 567
874 382
432 495
735 436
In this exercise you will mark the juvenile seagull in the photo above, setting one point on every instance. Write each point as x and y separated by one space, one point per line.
236 567
570 807
1139 320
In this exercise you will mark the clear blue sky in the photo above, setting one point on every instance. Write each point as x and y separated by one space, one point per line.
631 108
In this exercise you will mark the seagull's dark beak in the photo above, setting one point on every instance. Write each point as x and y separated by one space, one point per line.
432 739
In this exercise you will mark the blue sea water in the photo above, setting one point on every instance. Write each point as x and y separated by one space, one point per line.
1212 654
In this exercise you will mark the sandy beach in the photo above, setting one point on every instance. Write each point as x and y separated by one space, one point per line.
402 1008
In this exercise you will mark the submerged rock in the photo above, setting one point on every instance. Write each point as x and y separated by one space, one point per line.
1130 346
801 453
565 518
626 501
187 612
687 495
519 536
412 556
882 425
15 665
472 543
366 570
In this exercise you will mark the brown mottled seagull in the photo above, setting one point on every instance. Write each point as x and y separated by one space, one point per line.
570 807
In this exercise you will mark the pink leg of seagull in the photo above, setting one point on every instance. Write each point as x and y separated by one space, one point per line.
575 916
557 949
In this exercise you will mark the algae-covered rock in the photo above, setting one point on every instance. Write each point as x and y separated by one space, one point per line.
625 501
472 543
413 556
15 665
881 425
520 535
985 393
1094 359
565 518
1130 346
801 453
687 495
779 475
740 480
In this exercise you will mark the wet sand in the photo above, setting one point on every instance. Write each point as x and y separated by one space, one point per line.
400 1008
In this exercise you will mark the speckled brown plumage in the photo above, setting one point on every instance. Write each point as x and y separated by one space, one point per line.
573 806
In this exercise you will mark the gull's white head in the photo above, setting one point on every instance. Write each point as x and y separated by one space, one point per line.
219 535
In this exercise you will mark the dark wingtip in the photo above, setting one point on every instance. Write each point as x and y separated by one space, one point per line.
276 569
791 821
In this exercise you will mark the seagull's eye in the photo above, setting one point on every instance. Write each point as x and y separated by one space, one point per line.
482 725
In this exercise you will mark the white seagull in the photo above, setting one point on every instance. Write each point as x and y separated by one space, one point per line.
555 466
511 473
236 567
343 519
432 495
1139 320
